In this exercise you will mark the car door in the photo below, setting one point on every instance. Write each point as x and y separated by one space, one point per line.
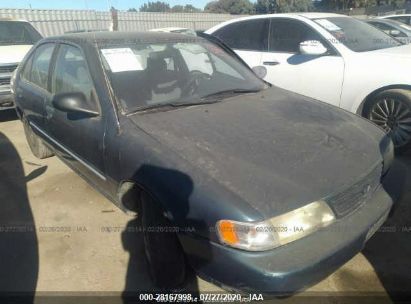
248 38
317 76
33 92
77 137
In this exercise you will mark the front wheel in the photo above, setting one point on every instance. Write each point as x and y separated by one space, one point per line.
391 110
163 250
37 146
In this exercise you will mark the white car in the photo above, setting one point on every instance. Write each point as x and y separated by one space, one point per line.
404 18
333 58
16 39
177 30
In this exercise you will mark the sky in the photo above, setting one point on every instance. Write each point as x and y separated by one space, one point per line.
90 4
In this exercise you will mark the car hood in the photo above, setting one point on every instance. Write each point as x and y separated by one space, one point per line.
276 150
13 53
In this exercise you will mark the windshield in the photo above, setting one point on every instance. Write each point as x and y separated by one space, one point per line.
150 75
357 35
13 32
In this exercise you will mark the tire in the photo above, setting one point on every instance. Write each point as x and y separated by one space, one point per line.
163 250
37 147
391 110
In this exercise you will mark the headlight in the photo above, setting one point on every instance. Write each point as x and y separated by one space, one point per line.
276 231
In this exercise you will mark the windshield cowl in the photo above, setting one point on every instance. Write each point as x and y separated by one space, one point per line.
211 99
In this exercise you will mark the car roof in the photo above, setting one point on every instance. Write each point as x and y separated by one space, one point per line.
386 21
310 16
390 16
285 15
320 15
12 19
108 38
169 29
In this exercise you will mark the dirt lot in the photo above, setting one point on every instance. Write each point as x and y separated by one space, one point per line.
66 246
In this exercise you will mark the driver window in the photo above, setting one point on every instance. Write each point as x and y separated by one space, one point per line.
71 74
39 73
286 35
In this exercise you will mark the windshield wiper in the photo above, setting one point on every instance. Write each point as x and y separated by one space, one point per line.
173 105
208 99
227 93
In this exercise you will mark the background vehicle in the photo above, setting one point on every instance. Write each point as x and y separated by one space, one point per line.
214 159
395 29
332 58
403 18
175 30
16 39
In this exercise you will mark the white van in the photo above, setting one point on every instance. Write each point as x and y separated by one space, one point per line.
16 39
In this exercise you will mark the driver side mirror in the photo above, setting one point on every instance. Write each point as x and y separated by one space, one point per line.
73 103
312 47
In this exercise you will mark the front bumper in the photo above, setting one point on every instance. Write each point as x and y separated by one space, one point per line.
6 100
292 267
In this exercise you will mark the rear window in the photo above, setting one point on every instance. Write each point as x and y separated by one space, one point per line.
12 32
245 35
357 35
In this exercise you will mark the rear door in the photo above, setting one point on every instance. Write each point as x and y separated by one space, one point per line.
320 77
33 91
77 137
248 38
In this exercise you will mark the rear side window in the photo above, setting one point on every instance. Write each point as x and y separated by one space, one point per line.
403 19
40 65
71 74
246 35
387 28
286 35
25 74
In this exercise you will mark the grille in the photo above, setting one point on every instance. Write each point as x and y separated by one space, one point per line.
8 68
355 195
4 81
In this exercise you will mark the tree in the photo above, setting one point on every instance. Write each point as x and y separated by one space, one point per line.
265 6
177 9
132 10
283 6
241 7
346 4
234 7
157 6
302 6
184 9
191 9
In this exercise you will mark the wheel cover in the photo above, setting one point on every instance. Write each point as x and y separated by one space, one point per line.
394 116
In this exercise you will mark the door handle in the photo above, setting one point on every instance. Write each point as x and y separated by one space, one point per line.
271 63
